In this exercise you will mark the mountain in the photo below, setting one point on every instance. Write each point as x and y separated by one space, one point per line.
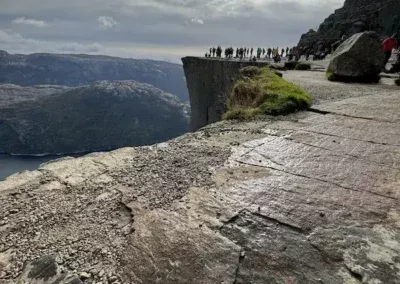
104 115
382 16
81 69
11 94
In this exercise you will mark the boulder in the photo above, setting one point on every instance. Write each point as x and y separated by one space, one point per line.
45 270
359 58
382 16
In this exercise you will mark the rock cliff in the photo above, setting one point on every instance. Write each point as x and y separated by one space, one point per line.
311 198
209 81
382 16
104 115
80 69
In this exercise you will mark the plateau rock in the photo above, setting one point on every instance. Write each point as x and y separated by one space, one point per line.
105 115
310 198
80 69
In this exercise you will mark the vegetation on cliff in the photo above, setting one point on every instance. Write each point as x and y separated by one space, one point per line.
261 91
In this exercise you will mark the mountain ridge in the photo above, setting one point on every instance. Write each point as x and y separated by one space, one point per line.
103 116
82 69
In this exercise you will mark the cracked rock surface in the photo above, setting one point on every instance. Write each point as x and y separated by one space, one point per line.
310 198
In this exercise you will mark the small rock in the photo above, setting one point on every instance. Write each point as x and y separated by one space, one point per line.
101 273
84 275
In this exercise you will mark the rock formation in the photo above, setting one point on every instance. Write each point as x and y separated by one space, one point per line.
209 81
309 199
360 58
78 70
381 16
105 115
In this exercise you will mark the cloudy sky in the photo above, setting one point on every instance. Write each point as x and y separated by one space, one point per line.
159 29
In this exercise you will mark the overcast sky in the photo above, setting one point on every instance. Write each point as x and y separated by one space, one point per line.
158 29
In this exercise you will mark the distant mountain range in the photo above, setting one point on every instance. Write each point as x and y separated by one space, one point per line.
104 115
79 70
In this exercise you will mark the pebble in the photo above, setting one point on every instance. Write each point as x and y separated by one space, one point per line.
85 275
101 273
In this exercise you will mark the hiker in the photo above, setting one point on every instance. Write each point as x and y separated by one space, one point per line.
248 51
213 52
269 51
251 52
259 51
219 51
263 53
389 44
282 52
287 51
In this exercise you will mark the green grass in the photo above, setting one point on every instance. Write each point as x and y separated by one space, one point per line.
330 75
264 92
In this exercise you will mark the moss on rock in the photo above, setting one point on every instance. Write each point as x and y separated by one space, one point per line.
265 93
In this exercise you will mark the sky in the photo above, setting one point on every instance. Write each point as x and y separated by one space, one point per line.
156 29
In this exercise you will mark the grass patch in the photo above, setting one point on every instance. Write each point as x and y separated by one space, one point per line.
330 75
303 66
397 82
264 92
291 65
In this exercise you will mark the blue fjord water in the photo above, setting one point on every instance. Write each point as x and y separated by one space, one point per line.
13 164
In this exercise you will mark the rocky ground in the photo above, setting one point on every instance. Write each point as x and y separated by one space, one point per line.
309 198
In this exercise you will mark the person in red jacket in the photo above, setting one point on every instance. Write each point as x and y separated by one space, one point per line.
388 45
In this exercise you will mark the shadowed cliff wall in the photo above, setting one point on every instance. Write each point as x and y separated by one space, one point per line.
209 80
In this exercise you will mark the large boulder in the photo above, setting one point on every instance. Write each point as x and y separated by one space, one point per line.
360 58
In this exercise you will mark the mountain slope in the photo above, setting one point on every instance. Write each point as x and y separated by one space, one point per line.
11 94
105 115
79 70
382 16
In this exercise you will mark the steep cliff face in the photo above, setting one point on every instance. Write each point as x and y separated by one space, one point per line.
209 81
382 16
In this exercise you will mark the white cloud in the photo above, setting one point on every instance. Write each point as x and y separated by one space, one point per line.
30 22
15 42
107 22
197 21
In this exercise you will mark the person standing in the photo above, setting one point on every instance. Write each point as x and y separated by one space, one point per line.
389 44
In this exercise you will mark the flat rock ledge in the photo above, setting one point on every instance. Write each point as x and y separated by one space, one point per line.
313 198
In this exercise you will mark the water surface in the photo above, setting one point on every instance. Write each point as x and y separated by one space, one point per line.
13 164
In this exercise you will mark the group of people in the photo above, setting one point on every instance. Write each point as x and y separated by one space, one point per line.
243 52
294 53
